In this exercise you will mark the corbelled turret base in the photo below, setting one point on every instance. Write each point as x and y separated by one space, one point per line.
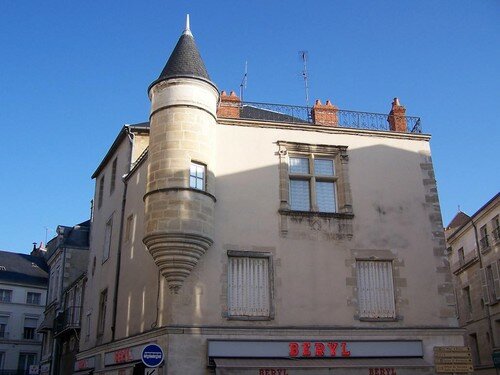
176 254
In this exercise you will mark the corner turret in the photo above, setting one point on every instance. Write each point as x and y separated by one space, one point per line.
180 196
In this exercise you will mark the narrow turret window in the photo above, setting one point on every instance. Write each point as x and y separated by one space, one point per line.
197 173
113 177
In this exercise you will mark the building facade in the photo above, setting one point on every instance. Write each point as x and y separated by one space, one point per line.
249 239
23 291
67 258
474 252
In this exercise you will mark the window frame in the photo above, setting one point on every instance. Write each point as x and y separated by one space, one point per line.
38 294
100 192
197 165
112 183
8 293
484 240
337 153
101 317
4 333
270 276
313 179
106 249
129 227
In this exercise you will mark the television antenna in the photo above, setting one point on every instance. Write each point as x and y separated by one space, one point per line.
243 84
303 56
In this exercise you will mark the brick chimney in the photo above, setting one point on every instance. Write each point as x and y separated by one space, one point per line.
397 117
229 106
325 114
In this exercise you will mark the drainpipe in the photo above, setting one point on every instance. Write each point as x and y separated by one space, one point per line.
130 136
488 314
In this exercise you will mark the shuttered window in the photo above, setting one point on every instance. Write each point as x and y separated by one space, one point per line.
490 283
375 289
248 286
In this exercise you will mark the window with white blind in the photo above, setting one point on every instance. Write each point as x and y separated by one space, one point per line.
29 330
249 286
314 180
375 289
312 183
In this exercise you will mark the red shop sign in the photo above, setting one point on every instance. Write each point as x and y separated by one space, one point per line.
318 349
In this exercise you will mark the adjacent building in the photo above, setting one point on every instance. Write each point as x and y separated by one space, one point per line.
474 253
67 258
23 291
248 238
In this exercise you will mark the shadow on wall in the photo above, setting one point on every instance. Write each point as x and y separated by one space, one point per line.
395 206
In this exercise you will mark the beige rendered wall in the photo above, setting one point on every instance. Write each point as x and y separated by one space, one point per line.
101 274
314 278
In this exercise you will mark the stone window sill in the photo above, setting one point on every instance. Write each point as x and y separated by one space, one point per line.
336 215
250 318
396 319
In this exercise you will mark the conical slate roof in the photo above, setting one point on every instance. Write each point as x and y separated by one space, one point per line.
185 61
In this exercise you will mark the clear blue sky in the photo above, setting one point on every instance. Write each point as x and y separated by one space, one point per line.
73 72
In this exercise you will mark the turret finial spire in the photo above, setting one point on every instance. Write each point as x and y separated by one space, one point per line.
187 30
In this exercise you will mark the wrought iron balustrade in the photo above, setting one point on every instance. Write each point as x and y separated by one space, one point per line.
466 261
69 318
303 115
485 243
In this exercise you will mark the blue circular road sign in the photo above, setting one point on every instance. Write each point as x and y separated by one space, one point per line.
152 355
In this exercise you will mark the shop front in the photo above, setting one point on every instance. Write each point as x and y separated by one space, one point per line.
125 361
84 366
297 357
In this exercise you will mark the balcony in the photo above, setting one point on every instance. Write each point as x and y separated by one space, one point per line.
69 319
469 259
326 115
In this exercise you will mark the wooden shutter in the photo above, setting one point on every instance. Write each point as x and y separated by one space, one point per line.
375 289
248 286
484 285
496 279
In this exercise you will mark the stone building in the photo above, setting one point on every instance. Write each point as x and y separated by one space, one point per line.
474 252
255 239
67 258
23 290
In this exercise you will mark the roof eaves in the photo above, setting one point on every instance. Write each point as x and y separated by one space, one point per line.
119 138
471 220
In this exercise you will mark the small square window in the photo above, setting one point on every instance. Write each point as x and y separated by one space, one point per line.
5 295
197 173
33 298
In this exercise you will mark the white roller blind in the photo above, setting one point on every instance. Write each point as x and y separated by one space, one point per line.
325 196
300 195
375 289
30 322
248 286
